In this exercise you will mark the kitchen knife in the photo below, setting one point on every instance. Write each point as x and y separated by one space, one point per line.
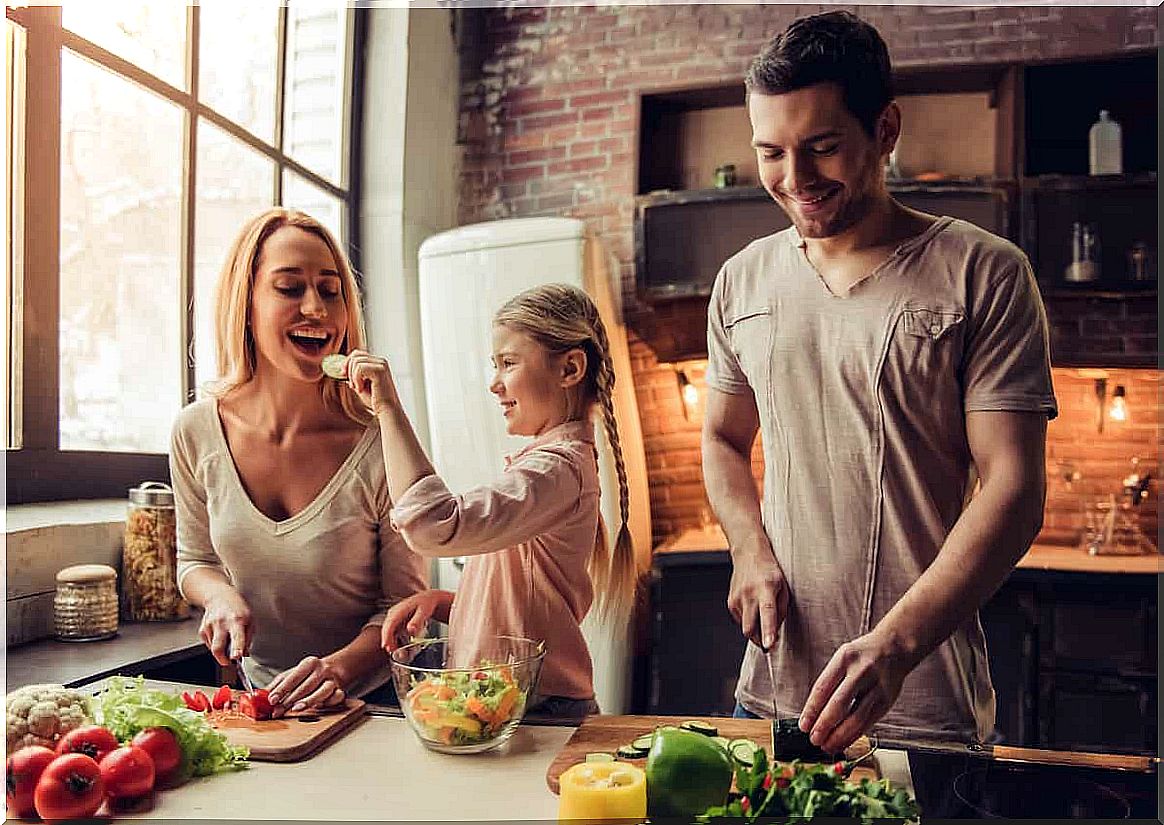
772 685
242 675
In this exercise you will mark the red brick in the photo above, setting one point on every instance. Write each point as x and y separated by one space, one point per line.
533 107
600 113
598 98
548 121
534 155
516 174
577 165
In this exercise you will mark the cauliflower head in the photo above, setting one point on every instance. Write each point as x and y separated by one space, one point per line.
41 714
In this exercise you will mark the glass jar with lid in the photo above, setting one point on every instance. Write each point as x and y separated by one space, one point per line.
85 603
149 562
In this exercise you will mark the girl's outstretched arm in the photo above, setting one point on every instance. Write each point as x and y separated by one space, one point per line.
404 457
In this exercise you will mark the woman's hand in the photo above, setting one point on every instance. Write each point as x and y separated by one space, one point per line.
409 617
312 683
226 625
371 378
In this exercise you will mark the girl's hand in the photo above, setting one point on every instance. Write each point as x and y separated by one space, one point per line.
226 625
408 617
371 378
312 683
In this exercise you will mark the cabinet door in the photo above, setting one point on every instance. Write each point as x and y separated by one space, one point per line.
696 646
1096 712
1008 620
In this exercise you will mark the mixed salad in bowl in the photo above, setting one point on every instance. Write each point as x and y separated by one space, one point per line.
474 706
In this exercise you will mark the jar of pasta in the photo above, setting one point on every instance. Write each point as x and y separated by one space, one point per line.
85 603
149 561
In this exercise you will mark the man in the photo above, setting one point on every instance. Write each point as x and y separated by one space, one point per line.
890 360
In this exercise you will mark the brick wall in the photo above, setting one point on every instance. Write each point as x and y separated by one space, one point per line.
548 127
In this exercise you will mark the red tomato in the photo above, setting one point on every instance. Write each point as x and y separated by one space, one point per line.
128 773
21 774
162 746
92 740
255 705
197 700
70 788
221 698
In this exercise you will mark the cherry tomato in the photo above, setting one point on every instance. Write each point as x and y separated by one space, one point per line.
128 773
21 774
70 788
92 740
255 705
221 698
162 745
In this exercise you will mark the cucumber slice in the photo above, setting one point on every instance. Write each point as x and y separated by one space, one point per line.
335 366
599 757
700 727
722 741
643 743
630 752
743 751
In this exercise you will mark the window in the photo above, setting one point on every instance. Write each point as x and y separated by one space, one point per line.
158 130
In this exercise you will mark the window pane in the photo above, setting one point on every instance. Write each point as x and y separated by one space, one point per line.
12 212
234 183
238 43
314 96
307 197
150 35
120 330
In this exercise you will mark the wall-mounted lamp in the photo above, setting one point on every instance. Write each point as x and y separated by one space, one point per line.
689 393
1118 411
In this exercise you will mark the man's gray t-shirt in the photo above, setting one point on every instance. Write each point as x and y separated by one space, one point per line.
862 401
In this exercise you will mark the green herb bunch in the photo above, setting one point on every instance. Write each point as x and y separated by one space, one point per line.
797 790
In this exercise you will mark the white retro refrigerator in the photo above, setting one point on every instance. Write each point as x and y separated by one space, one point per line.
466 274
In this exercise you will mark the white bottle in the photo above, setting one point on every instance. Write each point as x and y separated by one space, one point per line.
1106 146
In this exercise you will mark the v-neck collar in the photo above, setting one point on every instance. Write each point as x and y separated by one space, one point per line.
321 498
898 252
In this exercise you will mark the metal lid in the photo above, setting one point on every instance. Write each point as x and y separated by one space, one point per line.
153 493
86 573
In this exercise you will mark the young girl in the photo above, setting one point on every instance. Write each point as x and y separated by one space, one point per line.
534 536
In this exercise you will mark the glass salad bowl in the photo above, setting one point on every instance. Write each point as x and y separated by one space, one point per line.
466 701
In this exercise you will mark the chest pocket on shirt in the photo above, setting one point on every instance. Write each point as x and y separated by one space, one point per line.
750 335
928 344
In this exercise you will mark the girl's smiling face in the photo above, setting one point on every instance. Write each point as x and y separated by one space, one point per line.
528 382
298 312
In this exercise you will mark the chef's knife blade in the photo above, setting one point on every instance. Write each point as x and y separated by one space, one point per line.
772 685
242 675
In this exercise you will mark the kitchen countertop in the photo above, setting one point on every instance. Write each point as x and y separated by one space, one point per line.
380 771
1040 557
140 645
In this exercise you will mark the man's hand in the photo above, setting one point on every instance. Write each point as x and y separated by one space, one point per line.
758 595
857 687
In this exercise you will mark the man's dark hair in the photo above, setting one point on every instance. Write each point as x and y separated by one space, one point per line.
834 47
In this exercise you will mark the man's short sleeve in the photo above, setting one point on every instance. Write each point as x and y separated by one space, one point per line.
1007 363
723 368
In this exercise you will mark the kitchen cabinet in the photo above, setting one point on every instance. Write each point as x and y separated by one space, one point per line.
1072 653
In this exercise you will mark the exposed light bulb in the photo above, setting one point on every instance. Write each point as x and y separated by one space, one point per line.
690 395
1118 411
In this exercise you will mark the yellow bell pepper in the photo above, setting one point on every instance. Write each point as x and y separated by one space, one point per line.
602 791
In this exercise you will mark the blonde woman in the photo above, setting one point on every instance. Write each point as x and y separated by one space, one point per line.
537 549
282 499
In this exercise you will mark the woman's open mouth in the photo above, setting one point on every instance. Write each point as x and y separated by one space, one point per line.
507 407
310 340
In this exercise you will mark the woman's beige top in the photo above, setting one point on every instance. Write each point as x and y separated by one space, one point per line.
313 581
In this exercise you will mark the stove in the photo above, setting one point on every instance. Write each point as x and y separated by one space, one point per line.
961 786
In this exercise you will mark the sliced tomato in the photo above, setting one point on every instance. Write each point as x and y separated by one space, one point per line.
193 702
256 705
221 698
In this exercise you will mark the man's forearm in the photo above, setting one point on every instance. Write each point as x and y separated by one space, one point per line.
992 534
731 490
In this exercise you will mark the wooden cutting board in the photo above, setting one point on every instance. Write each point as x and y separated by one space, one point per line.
295 736
607 733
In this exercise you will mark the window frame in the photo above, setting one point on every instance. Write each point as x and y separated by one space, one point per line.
39 470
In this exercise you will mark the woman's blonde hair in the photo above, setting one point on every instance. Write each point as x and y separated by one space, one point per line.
236 285
561 317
